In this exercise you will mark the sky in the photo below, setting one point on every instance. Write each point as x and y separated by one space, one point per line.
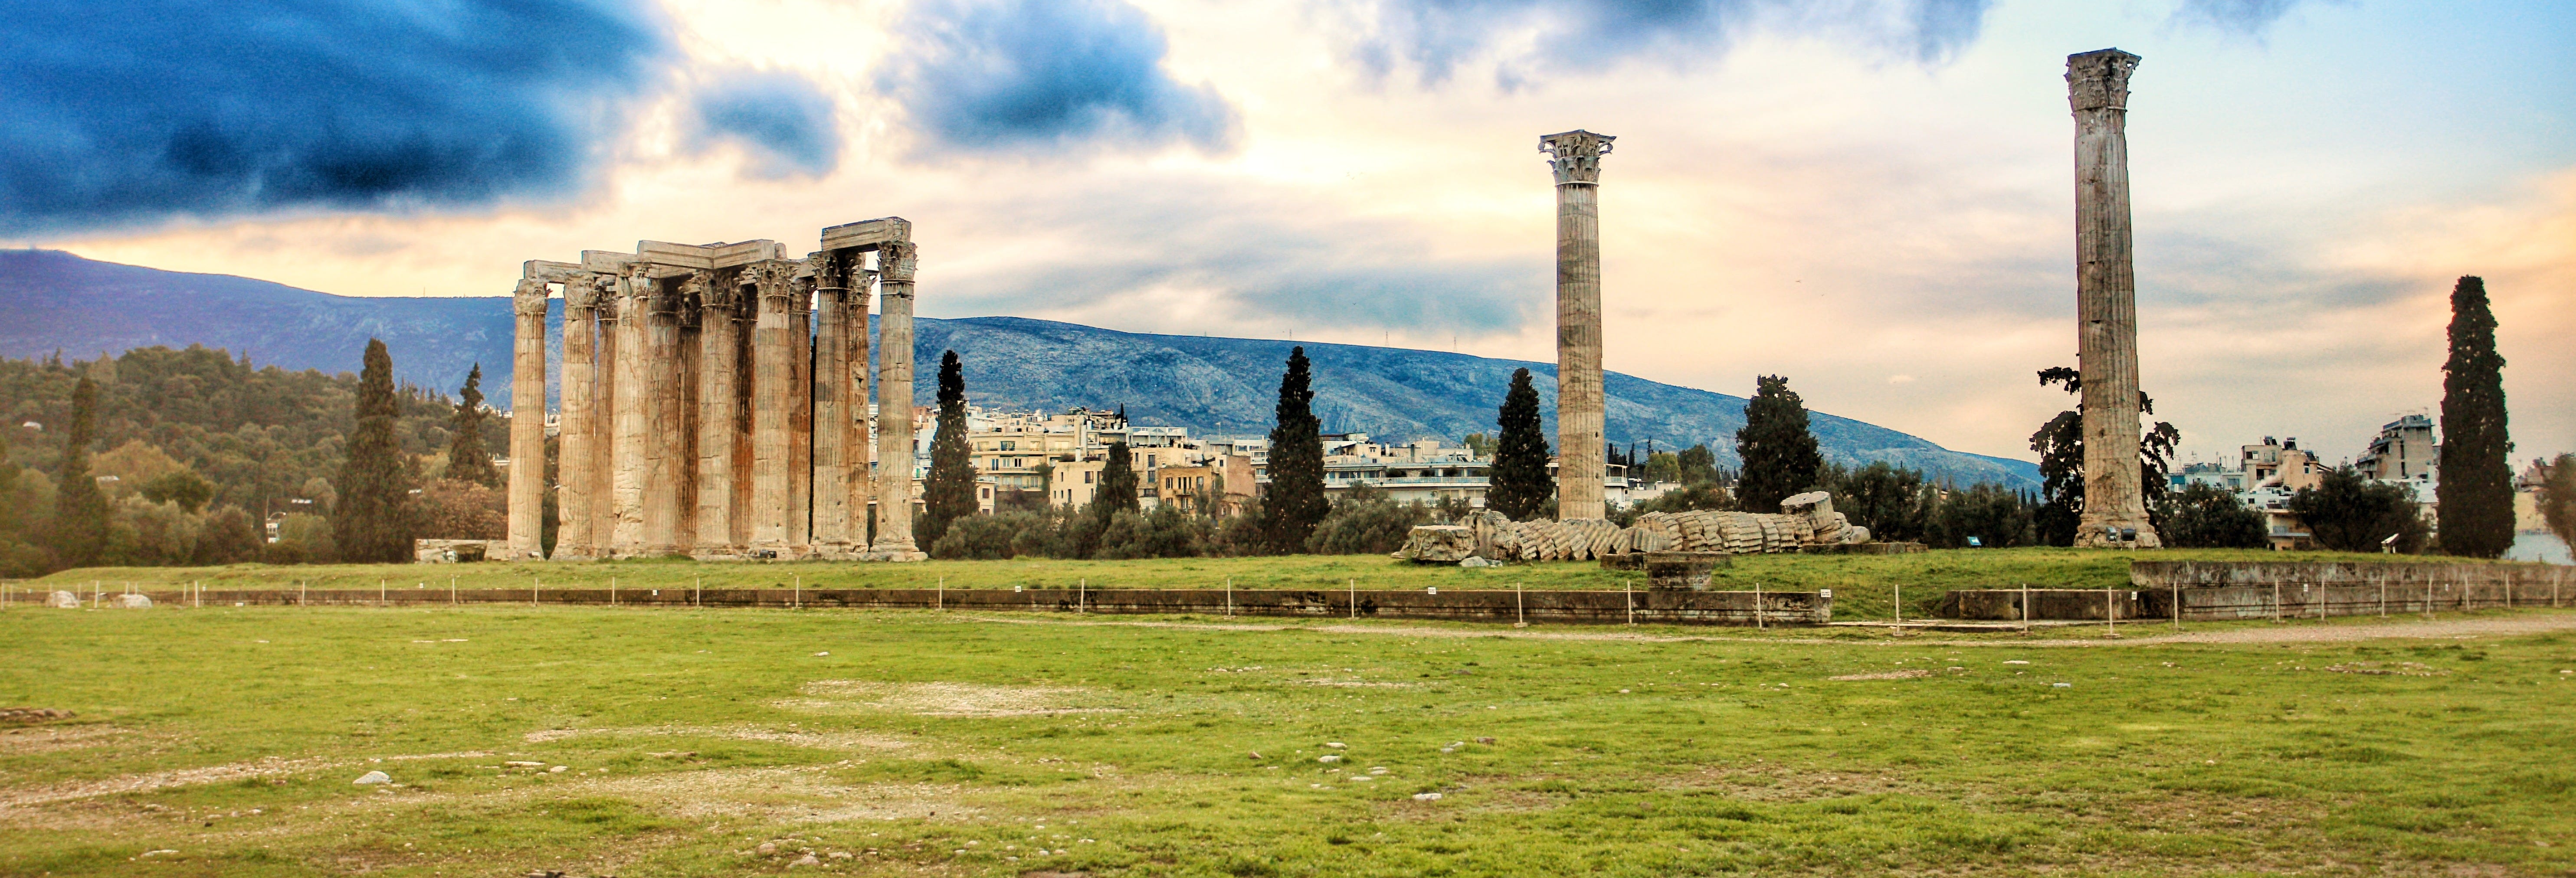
1872 197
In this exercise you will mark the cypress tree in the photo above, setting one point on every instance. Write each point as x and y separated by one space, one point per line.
80 511
372 523
2476 489
1117 491
1295 501
467 459
1780 457
948 494
1520 484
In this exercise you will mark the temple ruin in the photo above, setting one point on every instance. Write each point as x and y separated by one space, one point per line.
714 401
2115 508
1574 157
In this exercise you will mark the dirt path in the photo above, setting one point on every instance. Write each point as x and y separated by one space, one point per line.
2520 623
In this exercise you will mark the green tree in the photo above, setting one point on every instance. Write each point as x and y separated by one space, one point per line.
2475 498
1662 467
1885 498
2558 499
1294 503
80 511
2351 512
1117 489
467 459
372 521
1780 457
1364 521
1519 483
2206 516
2060 444
1697 465
182 486
1988 514
948 494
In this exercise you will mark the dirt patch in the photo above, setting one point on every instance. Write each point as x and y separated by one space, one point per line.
38 794
817 740
777 795
2400 669
945 699
52 739
1908 674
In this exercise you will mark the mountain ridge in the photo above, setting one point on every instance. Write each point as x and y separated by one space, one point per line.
62 302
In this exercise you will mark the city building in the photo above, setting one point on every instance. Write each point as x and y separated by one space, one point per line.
2404 451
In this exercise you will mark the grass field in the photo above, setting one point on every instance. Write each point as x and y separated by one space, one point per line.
224 742
1864 585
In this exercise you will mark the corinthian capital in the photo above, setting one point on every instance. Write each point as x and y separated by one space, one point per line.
529 298
896 260
2099 80
1575 156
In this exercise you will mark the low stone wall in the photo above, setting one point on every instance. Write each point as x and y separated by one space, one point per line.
2272 601
1606 607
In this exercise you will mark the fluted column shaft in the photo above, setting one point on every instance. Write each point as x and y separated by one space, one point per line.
611 304
575 443
631 417
1575 159
2106 302
527 485
663 438
770 383
896 262
831 412
719 396
800 419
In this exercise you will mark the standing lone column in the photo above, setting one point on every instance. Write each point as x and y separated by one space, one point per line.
1575 158
573 510
2115 512
528 422
895 261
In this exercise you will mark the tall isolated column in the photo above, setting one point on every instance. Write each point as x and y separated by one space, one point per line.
1575 159
2115 510
574 515
528 422
895 263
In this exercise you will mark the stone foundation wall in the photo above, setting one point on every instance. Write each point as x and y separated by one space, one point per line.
1604 607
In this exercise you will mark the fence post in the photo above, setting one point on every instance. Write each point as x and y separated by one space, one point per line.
380 592
535 584
796 599
1354 586
2111 612
2025 608
2383 593
1520 607
2276 600
1900 602
1757 604
1628 593
1081 593
942 597
2177 606
612 591
299 592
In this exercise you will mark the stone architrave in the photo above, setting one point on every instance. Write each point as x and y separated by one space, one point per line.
896 261
2115 513
719 374
527 484
771 385
574 515
1574 157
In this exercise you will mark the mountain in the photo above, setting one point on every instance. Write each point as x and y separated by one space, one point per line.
56 301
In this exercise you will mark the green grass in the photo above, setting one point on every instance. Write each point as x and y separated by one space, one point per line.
1863 585
691 736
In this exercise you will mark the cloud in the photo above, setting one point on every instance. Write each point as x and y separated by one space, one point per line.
1438 36
128 113
783 120
1005 75
2246 17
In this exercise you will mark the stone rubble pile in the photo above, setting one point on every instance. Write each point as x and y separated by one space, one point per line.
1804 520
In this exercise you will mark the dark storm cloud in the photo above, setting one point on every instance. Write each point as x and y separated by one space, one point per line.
131 112
784 120
1436 36
1000 75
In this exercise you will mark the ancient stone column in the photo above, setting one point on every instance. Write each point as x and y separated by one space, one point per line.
610 302
896 261
663 434
631 414
1575 158
2115 511
528 422
800 417
831 404
771 380
575 443
854 428
719 374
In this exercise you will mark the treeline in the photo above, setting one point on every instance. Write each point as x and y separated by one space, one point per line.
188 452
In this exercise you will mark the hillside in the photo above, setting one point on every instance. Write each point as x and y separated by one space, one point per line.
58 301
